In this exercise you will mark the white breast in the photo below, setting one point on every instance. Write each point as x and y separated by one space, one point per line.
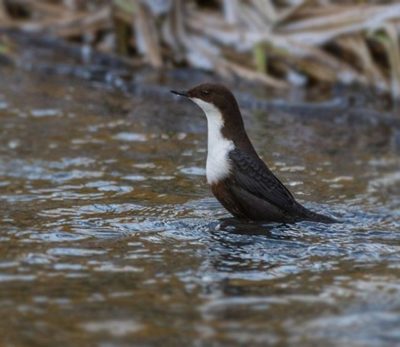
218 165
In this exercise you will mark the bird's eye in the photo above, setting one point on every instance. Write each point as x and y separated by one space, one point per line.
205 92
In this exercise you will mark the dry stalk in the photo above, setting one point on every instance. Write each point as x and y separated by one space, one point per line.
291 37
146 35
4 18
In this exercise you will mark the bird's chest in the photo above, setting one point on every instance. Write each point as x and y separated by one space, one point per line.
218 163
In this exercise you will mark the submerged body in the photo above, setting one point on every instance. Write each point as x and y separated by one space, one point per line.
239 179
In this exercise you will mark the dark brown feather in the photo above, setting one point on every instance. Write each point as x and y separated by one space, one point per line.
253 192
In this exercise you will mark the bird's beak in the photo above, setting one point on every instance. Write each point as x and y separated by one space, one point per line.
181 93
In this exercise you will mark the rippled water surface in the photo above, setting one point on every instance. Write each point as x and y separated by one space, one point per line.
109 235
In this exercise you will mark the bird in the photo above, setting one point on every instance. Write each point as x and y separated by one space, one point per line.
239 178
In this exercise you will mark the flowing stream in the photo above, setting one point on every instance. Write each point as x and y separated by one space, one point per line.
109 235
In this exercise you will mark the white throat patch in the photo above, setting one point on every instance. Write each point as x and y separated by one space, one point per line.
218 165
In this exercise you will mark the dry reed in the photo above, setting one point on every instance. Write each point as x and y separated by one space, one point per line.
279 43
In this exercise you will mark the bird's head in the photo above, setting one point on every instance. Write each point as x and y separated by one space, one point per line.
215 100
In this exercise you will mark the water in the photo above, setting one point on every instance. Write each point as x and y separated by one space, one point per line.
109 235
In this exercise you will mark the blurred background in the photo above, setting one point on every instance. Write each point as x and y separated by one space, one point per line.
277 43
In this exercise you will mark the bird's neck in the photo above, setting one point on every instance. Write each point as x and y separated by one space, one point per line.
218 147
223 137
226 128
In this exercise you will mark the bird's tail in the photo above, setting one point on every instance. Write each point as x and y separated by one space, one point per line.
316 217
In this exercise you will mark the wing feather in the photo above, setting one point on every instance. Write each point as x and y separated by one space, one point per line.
254 176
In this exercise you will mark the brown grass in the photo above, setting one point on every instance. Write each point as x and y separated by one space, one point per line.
279 43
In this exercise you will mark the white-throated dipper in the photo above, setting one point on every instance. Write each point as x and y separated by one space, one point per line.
239 179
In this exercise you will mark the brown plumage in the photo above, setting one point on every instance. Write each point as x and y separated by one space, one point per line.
239 179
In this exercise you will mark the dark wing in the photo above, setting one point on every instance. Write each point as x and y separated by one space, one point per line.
253 175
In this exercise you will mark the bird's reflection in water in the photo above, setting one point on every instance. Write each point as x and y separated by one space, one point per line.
236 226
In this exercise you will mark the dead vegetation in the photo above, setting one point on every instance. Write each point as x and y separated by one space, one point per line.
279 43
